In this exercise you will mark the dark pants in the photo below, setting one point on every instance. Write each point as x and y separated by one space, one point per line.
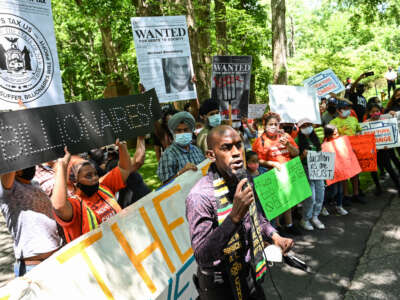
216 286
391 85
384 159
135 190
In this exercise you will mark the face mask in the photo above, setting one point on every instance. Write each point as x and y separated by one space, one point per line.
375 115
253 166
88 190
214 120
183 139
345 113
307 130
28 173
272 131
331 109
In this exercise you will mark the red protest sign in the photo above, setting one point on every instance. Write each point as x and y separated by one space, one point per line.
364 147
346 162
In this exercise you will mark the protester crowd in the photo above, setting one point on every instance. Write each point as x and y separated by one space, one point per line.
54 203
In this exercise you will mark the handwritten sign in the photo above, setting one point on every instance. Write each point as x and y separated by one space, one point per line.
321 165
279 191
294 103
256 111
144 252
365 149
32 136
386 132
325 82
346 162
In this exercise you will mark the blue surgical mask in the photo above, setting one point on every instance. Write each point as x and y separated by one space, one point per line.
183 139
307 131
214 120
345 113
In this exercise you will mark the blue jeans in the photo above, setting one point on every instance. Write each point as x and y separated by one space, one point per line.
336 191
312 206
21 270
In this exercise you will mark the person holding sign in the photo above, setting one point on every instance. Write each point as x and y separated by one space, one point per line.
308 141
384 156
181 156
94 199
274 148
228 234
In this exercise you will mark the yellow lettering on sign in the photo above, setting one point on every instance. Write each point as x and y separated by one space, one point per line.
137 259
80 249
172 226
204 169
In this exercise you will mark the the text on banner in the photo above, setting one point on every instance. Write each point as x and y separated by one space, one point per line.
280 190
321 165
386 132
365 149
346 162
32 136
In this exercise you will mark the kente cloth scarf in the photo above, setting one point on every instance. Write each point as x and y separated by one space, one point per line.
234 257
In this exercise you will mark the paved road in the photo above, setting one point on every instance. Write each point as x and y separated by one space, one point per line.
334 255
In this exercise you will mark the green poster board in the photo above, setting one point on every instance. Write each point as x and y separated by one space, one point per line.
280 190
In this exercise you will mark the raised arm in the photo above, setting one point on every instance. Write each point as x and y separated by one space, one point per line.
61 205
138 159
124 163
7 180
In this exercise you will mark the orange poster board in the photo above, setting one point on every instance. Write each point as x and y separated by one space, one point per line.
346 162
364 147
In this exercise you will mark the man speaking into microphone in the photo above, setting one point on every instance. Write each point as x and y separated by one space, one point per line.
227 232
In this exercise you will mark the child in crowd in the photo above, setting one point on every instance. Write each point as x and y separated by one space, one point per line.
307 140
384 156
335 190
348 125
253 165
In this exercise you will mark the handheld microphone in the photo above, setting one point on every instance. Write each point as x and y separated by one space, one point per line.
240 175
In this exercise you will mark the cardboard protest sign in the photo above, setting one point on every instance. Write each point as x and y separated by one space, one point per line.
294 103
230 84
325 82
389 116
386 132
365 149
164 58
346 162
32 136
29 67
256 111
321 165
280 190
143 252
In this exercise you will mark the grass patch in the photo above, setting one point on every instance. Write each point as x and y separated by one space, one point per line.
149 169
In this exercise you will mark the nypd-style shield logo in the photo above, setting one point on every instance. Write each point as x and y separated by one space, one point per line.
26 62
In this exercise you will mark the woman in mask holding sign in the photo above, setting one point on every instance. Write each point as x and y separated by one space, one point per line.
94 199
274 148
308 141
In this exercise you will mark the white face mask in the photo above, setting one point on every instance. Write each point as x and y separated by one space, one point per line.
345 113
307 131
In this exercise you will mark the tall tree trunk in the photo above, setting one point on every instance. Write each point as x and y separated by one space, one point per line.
220 19
279 42
146 8
292 46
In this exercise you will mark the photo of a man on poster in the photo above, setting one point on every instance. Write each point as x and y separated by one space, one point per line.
177 74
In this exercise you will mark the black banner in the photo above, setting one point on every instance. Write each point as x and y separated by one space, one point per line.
32 136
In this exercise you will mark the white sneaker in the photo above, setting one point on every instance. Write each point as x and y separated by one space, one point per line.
341 211
317 223
324 212
306 225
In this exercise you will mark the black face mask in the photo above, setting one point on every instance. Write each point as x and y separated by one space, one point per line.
88 190
331 109
28 173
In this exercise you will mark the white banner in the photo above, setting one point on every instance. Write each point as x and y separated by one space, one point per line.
256 111
29 67
164 58
321 165
386 132
325 82
294 103
144 252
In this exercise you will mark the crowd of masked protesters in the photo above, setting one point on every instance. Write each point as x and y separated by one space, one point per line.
52 204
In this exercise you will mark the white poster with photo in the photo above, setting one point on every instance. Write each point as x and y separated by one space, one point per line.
294 103
163 56
29 68
321 165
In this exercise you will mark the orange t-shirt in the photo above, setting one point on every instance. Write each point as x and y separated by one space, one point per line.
272 150
101 204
